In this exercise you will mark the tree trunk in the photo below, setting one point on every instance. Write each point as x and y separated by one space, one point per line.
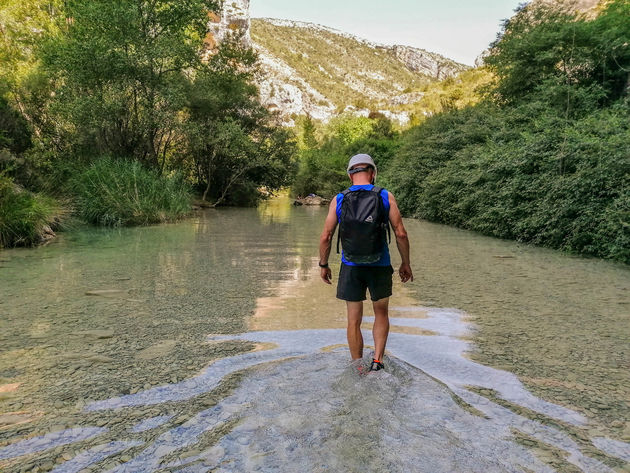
205 193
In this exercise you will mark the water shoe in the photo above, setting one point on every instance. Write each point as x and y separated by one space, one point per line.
376 365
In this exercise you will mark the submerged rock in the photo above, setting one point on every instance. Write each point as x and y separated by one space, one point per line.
311 200
106 292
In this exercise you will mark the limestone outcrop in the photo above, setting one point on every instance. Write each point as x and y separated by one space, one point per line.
234 16
328 85
425 62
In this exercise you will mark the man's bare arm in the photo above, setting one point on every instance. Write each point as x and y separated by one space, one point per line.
402 241
325 240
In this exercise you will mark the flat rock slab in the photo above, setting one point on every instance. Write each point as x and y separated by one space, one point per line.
158 350
15 418
106 292
9 388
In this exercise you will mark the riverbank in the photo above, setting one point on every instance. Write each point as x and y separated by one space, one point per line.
108 192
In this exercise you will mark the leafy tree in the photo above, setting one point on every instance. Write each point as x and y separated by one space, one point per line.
570 60
24 24
234 144
322 170
14 133
122 70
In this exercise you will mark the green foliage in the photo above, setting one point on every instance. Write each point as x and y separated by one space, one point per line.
97 78
234 148
322 169
569 60
14 133
544 157
501 173
463 90
125 102
24 216
118 192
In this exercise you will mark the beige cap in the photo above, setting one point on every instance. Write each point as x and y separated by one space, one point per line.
362 159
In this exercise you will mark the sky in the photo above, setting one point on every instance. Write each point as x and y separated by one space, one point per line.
457 29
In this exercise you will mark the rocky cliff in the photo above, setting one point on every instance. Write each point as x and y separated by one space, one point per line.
233 16
424 62
315 70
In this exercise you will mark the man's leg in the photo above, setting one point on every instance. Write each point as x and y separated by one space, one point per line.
380 330
355 339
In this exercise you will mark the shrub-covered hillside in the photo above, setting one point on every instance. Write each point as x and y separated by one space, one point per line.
346 70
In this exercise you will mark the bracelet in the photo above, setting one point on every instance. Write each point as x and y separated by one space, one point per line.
323 265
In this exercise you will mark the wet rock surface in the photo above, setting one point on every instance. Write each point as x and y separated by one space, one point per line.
311 200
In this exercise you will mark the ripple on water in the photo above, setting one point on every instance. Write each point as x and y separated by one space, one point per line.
302 407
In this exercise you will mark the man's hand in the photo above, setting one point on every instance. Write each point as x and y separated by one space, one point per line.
325 240
405 272
326 275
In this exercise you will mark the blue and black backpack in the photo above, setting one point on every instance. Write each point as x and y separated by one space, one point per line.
363 225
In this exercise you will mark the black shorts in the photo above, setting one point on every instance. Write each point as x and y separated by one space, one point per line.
354 280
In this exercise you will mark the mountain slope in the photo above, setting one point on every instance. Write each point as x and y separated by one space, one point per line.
311 69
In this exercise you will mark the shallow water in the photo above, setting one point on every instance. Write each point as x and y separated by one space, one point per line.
211 345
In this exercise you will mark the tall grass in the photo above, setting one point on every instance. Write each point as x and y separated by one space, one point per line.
24 217
116 192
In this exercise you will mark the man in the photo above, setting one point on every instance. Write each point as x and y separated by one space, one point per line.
363 268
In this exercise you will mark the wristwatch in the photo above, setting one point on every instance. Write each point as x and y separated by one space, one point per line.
323 265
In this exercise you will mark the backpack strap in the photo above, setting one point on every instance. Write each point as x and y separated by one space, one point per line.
389 234
344 193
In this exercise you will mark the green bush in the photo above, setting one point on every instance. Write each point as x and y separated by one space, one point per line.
543 158
24 217
505 173
117 192
322 168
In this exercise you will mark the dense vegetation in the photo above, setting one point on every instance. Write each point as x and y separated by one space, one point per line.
324 150
114 192
24 217
543 157
112 106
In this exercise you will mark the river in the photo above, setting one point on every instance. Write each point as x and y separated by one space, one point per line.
211 345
